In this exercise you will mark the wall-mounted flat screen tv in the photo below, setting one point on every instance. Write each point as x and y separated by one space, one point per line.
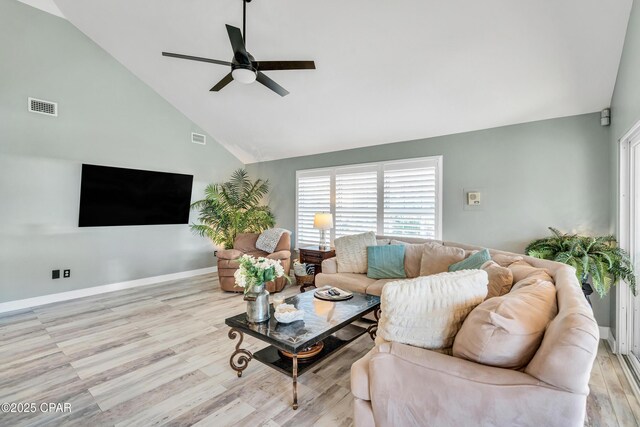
116 196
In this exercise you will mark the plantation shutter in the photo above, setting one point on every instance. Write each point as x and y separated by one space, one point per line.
411 199
313 195
356 206
396 198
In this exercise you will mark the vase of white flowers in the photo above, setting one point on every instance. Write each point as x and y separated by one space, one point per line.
252 275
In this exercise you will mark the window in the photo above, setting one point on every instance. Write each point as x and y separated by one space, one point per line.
313 195
356 207
397 198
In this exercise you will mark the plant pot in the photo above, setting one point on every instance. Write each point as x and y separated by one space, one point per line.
587 290
257 304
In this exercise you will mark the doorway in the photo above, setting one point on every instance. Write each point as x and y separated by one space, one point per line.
628 305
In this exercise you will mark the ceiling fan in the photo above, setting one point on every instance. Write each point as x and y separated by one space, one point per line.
244 68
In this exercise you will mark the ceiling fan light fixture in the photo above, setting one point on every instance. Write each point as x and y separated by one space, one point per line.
244 75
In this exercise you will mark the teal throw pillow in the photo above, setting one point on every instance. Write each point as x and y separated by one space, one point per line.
473 262
386 262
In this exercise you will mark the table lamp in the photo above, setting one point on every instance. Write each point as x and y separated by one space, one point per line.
323 221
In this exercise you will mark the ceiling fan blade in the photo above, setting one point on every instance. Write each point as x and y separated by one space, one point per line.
237 42
222 83
196 58
285 65
262 78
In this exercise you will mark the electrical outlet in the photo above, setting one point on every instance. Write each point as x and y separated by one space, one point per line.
215 253
55 274
66 274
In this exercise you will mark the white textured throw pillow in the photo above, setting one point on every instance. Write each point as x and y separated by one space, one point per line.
268 239
351 252
428 311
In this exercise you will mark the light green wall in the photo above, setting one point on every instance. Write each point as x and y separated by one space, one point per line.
106 116
534 175
625 110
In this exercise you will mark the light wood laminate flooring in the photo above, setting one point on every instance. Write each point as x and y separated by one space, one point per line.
159 355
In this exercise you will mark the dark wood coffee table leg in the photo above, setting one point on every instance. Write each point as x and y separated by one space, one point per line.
295 381
243 356
372 330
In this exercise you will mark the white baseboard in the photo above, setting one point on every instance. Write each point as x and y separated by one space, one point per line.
605 332
96 290
612 343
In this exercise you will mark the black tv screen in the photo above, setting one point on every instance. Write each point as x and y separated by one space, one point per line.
115 196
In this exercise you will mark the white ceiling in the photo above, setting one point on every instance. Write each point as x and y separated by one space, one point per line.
387 71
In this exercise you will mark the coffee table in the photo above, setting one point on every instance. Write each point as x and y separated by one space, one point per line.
326 321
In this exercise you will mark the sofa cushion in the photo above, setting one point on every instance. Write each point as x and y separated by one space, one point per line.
522 269
351 252
268 240
382 242
428 311
437 258
280 255
500 279
329 266
354 282
376 287
505 260
246 242
525 274
506 331
385 262
412 257
472 262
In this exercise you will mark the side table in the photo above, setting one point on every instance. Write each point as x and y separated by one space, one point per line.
314 255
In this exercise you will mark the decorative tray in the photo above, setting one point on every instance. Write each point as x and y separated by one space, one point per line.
323 294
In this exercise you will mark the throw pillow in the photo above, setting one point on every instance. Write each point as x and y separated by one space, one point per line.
268 240
506 331
525 274
385 262
500 279
428 311
382 242
437 258
412 257
351 252
504 260
474 262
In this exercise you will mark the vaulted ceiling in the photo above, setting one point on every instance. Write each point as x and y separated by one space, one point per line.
386 70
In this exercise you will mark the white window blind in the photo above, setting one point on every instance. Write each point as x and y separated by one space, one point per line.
410 196
356 207
313 195
397 198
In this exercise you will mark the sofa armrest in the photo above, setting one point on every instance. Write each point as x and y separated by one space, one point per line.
330 266
229 254
414 386
280 255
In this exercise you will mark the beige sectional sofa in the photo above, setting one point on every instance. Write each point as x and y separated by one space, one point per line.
401 385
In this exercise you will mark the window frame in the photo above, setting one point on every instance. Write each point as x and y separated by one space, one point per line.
380 167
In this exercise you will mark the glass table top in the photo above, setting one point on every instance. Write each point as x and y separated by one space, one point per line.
322 318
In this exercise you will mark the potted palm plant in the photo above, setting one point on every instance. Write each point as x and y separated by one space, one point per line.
598 258
233 207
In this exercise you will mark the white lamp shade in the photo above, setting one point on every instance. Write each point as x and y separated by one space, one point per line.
323 221
243 75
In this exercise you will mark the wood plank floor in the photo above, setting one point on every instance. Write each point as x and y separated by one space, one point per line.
158 355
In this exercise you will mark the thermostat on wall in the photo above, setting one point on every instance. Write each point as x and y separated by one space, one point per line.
473 198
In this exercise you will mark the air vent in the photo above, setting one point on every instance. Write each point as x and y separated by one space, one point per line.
43 107
198 138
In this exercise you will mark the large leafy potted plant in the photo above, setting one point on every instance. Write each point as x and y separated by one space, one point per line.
598 258
233 207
